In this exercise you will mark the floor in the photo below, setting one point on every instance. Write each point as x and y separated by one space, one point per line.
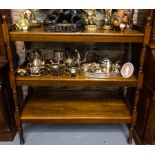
75 134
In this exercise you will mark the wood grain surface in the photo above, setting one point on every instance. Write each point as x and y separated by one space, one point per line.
75 107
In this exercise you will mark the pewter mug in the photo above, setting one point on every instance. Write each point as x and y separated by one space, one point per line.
58 56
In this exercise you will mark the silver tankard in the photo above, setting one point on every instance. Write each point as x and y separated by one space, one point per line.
106 65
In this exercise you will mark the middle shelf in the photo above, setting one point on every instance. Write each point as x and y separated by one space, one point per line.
66 80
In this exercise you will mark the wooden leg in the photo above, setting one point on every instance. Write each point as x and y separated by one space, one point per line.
20 130
18 121
130 135
131 131
132 127
19 95
137 93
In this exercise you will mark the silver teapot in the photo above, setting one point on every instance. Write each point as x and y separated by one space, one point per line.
55 68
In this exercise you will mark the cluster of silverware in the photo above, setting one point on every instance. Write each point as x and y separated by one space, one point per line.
58 64
73 63
104 69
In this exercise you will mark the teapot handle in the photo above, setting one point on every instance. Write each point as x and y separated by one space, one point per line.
48 66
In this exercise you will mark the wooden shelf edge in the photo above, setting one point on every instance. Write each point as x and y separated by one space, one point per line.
75 120
48 80
39 34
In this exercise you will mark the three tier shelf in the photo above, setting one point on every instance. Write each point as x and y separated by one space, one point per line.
75 106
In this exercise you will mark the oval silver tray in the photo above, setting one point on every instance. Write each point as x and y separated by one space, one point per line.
100 75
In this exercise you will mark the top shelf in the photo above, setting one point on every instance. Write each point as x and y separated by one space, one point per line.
40 35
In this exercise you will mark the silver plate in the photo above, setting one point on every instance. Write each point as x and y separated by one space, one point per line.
127 70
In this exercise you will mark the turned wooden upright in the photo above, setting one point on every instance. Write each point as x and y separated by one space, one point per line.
12 76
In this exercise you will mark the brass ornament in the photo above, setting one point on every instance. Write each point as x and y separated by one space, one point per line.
26 21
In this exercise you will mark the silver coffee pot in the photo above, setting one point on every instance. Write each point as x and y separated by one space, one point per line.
36 62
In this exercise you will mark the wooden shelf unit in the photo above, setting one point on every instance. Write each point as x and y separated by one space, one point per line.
80 106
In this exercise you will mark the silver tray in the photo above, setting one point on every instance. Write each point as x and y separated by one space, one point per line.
100 75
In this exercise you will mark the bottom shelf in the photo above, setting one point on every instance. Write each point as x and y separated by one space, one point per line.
75 107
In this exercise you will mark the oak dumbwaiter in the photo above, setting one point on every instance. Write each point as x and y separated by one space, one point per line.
75 106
